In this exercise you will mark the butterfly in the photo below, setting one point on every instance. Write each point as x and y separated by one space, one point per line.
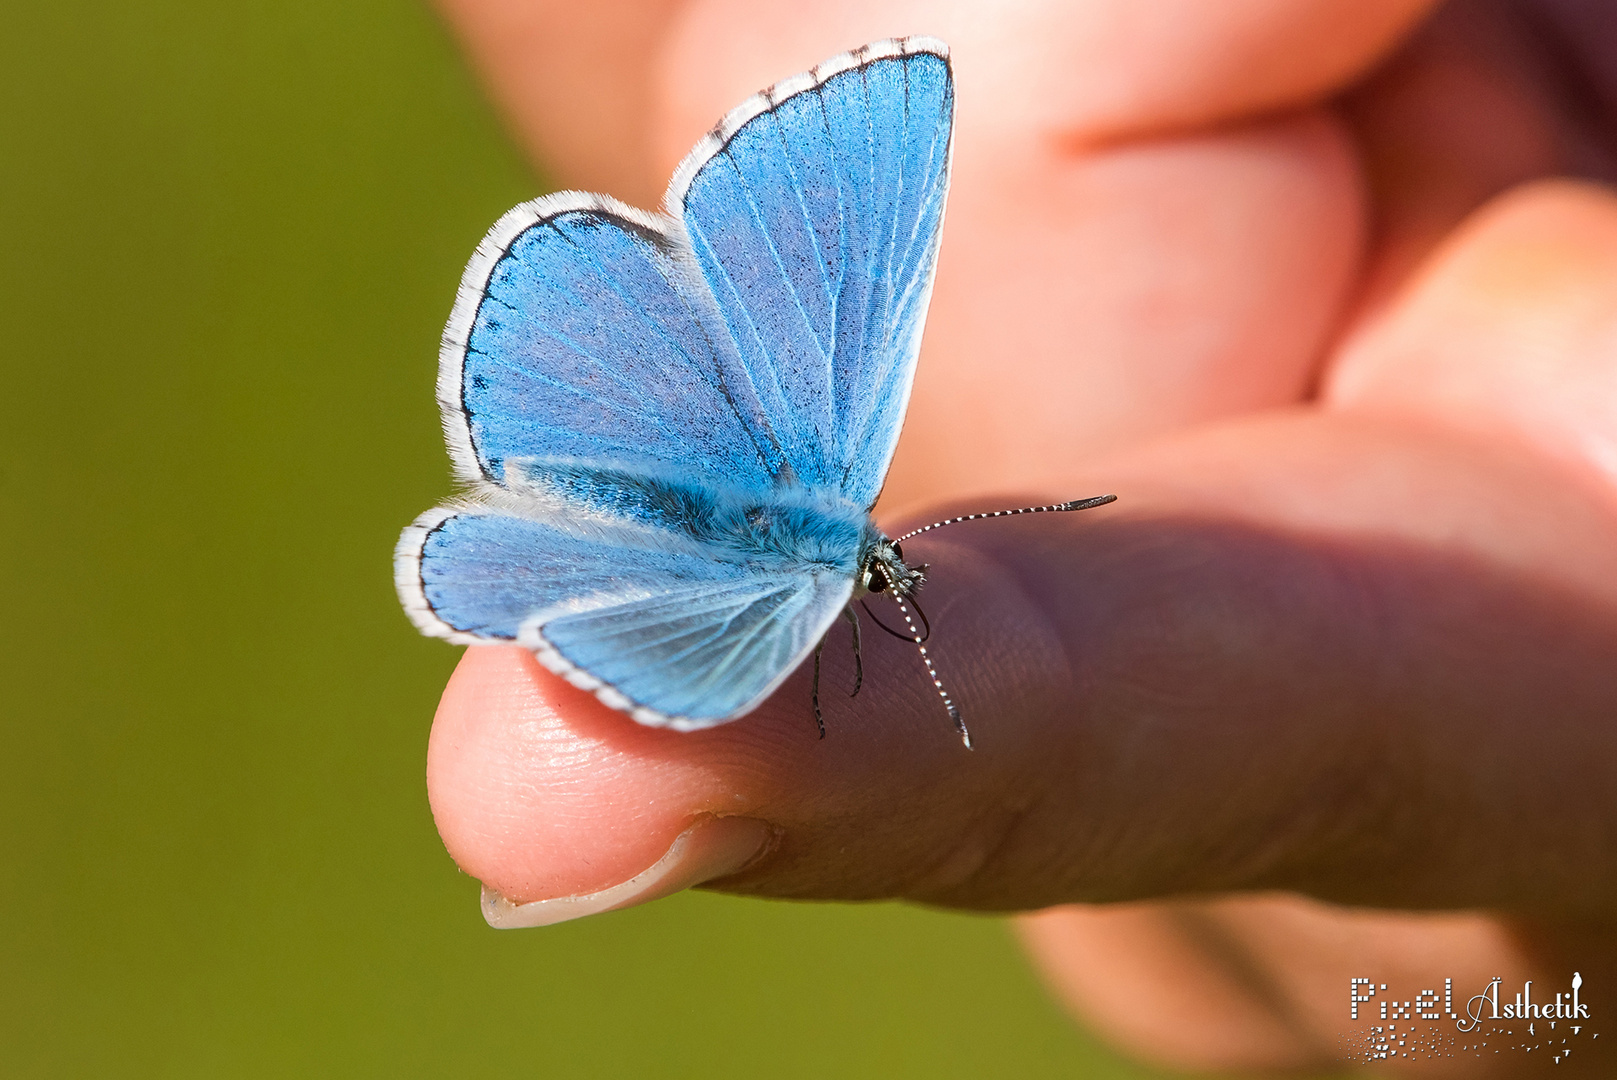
674 426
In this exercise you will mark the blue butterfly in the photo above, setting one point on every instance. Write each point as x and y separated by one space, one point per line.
674 426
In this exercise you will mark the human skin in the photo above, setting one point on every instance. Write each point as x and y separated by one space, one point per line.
1332 689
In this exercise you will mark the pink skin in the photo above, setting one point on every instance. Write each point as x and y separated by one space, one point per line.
1278 275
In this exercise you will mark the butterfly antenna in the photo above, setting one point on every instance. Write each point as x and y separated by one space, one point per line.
819 720
925 623
858 659
899 634
948 702
1053 508
914 603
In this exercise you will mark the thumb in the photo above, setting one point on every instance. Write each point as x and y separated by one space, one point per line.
1245 676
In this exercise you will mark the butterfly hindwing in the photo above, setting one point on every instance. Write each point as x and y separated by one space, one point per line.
814 212
697 655
477 573
606 574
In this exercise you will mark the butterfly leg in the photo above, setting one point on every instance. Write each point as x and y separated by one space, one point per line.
819 720
858 659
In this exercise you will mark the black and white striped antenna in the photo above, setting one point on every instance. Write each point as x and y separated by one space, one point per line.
1053 508
919 639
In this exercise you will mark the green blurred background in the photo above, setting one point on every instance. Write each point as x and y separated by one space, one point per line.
229 236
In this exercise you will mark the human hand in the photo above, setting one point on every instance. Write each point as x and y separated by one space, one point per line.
1350 630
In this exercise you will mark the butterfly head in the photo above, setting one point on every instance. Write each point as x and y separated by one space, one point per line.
883 570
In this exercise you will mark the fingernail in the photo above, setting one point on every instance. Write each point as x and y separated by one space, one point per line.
712 848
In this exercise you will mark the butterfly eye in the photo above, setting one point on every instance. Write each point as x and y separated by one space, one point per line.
898 553
876 579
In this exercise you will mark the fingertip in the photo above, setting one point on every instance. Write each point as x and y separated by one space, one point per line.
714 847
539 790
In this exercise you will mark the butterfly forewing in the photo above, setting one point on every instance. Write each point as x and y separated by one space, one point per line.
816 222
585 343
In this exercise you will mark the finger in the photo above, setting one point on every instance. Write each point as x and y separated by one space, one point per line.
1097 959
1244 679
1080 174
1156 286
1137 241
1482 98
1075 73
576 82
1508 331
1264 982
1504 334
580 81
